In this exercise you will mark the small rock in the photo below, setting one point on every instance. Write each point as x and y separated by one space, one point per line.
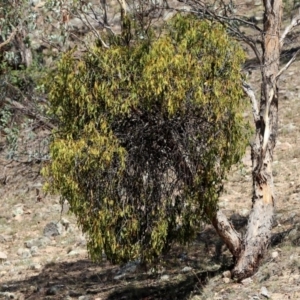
30 243
186 269
73 253
3 273
24 253
65 223
130 267
3 256
38 242
119 277
36 267
245 212
44 241
33 288
247 281
275 254
34 251
293 234
226 280
5 238
264 292
213 267
53 290
84 297
8 295
165 278
226 274
18 211
255 297
258 18
53 229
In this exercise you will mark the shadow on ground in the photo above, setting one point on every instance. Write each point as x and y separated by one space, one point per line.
70 280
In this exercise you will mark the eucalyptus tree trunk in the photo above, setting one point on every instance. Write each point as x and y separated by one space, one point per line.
249 250
258 233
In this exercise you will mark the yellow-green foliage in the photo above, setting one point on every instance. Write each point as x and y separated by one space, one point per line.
147 131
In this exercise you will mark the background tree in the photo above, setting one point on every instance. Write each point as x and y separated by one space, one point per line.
149 127
22 102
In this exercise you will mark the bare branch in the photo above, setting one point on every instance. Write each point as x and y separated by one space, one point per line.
288 64
295 22
103 23
202 9
122 4
29 112
95 31
225 229
249 91
8 40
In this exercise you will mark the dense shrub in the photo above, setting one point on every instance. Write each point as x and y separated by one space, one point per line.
148 130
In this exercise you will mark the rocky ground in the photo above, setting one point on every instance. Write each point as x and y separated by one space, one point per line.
43 253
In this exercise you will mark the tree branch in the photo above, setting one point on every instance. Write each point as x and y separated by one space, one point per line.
94 31
250 93
8 40
287 65
226 231
295 22
201 8
29 112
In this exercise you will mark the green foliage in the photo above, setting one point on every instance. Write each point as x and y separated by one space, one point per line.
148 131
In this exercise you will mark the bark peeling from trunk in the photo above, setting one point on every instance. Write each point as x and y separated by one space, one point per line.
259 228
